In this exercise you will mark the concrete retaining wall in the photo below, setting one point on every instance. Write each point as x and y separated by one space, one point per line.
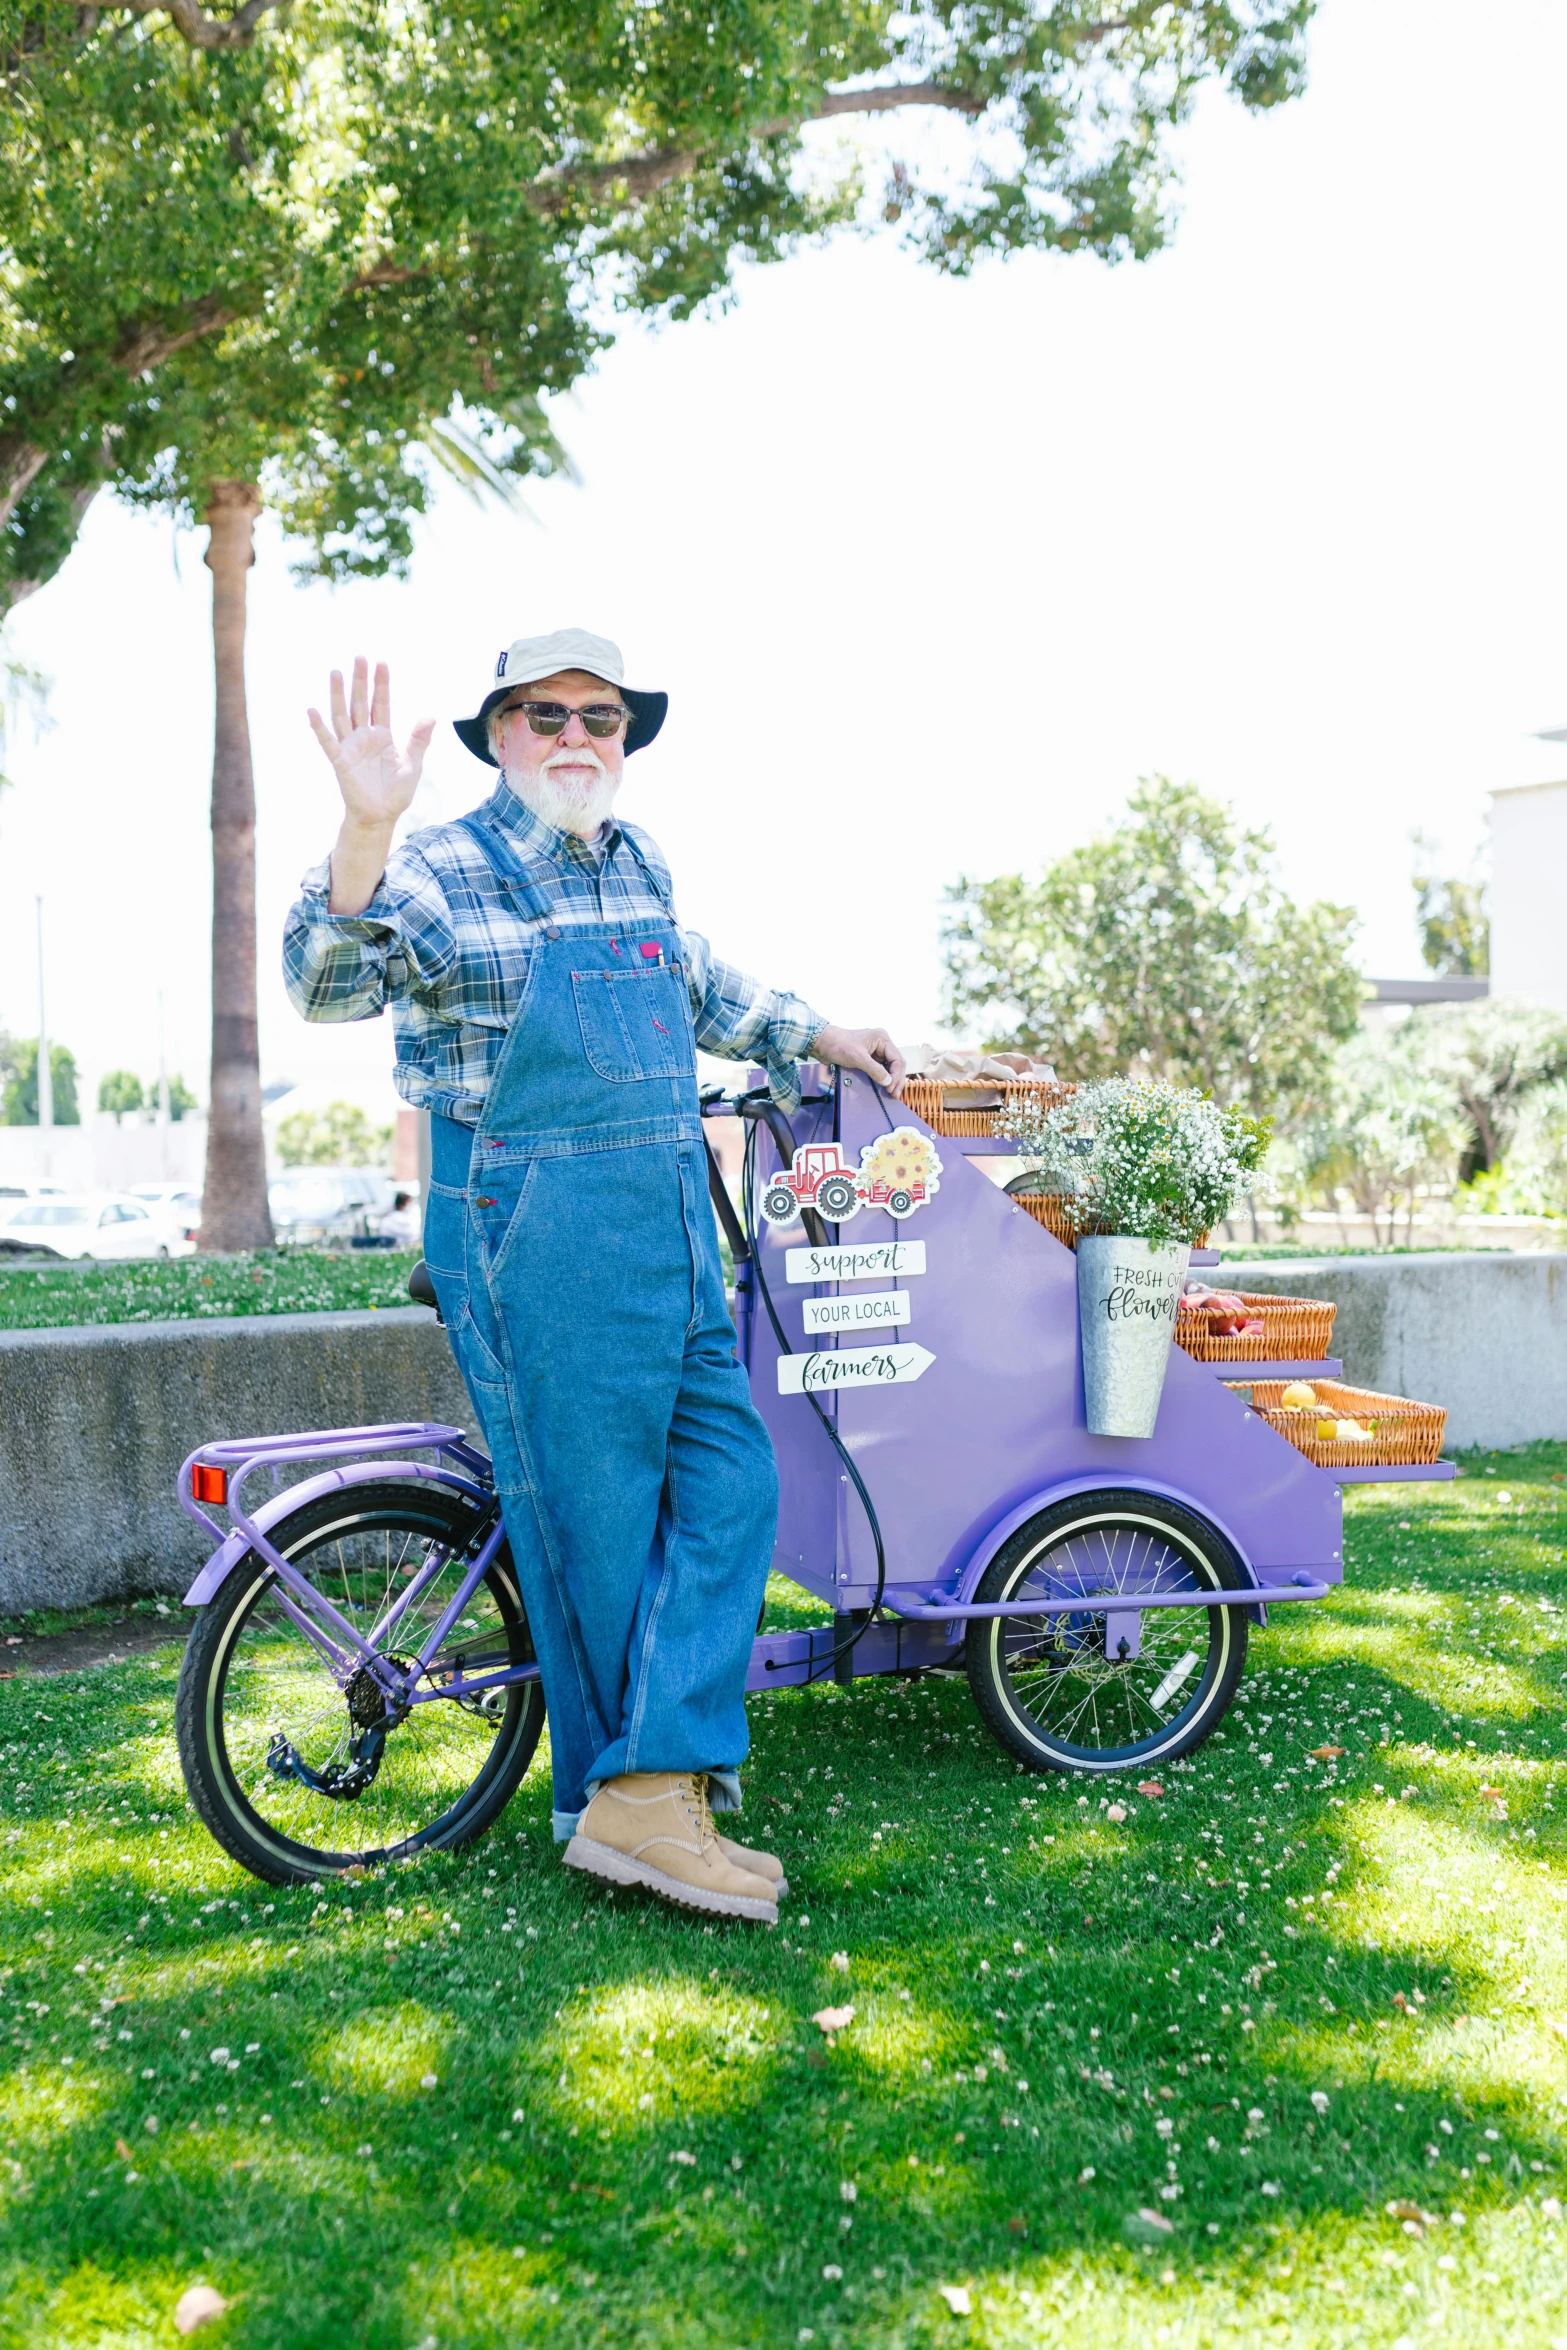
95 1423
1485 1335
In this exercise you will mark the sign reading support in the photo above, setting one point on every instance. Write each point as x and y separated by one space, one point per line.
861 1366
876 1311
881 1260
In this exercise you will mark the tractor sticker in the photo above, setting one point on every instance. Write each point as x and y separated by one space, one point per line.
899 1172
862 1366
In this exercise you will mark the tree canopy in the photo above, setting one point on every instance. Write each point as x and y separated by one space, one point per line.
120 1092
1166 946
19 1082
329 247
340 1135
1491 1056
1455 930
1388 1130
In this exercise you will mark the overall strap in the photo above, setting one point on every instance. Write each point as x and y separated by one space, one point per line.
530 880
659 888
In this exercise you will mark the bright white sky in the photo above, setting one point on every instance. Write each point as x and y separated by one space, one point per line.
934 571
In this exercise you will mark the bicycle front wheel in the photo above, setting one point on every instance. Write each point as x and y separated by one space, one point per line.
273 1748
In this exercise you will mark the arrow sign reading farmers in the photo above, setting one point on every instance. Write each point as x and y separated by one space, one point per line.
860 1366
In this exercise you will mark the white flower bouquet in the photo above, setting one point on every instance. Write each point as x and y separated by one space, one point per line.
1153 1162
1140 1171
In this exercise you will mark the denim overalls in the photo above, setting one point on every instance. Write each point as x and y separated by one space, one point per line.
572 1245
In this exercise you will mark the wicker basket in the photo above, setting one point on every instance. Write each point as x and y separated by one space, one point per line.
1401 1432
1294 1330
939 1101
1049 1208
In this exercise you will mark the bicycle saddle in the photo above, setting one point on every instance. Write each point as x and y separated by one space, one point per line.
422 1289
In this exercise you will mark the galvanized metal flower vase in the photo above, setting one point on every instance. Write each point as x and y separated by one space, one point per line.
1127 1293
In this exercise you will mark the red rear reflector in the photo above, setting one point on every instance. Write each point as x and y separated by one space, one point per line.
208 1484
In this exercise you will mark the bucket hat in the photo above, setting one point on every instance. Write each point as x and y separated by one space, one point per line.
529 658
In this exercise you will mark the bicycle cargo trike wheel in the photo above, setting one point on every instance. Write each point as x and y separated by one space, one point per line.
274 1749
1108 1684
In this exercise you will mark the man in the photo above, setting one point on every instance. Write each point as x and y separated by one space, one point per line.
547 1010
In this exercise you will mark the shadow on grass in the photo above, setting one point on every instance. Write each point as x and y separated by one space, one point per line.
635 2132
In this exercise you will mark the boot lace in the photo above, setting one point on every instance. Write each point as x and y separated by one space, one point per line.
694 1794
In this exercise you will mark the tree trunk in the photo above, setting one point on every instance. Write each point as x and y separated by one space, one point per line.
21 462
234 1199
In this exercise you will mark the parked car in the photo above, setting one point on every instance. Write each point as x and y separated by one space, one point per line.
98 1224
313 1204
176 1208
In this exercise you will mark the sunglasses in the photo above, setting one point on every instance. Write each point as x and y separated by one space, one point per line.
600 718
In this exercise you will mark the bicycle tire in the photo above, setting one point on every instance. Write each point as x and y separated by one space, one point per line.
419 1514
1145 1542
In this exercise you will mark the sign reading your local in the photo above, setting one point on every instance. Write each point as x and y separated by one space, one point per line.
875 1311
861 1366
878 1260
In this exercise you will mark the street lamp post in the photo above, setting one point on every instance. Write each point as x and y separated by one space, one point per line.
45 1071
163 1098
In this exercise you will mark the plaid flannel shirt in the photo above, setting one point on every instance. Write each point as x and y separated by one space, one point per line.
442 944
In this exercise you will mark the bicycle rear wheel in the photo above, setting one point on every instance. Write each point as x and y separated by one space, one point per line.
1107 1685
258 1706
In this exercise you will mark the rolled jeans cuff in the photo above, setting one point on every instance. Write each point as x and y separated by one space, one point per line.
723 1794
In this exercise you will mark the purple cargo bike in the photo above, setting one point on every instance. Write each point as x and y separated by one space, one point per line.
359 1684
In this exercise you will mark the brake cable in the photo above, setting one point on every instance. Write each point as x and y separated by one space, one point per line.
752 1109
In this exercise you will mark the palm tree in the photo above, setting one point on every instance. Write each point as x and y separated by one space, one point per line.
234 1197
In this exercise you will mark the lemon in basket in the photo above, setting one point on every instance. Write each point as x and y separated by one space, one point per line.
1299 1396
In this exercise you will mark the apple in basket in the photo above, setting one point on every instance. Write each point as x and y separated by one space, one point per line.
1227 1314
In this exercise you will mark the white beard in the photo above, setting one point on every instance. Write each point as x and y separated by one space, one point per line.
571 806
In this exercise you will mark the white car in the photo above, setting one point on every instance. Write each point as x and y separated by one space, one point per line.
176 1208
314 1204
103 1225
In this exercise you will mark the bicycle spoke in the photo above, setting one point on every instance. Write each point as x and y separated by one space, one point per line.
279 1695
1057 1669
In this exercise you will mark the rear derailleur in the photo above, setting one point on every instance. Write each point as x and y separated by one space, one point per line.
367 1709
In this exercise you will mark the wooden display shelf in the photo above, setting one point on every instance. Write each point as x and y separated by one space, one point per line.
1396 1473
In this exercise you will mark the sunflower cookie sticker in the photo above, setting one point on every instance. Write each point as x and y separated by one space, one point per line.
899 1172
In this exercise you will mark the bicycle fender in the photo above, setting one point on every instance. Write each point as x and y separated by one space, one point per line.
280 1505
981 1556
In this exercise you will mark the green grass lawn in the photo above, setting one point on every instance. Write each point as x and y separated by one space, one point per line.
180 1289
1309 2016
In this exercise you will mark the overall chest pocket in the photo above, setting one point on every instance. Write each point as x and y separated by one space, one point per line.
635 1023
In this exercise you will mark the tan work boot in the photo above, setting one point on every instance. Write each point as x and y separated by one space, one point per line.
654 1828
760 1864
